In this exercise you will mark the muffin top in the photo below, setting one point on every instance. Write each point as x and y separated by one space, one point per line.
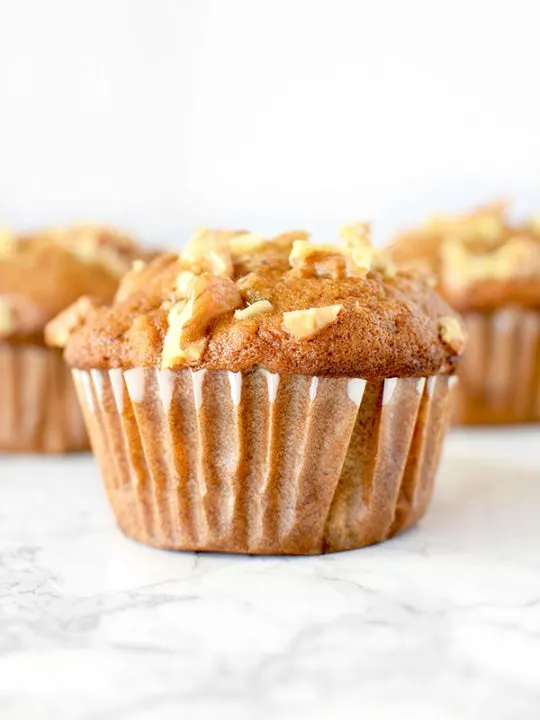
43 273
233 300
481 260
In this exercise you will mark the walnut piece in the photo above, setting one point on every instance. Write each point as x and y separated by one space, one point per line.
352 236
353 256
303 324
486 223
260 306
6 318
211 296
59 330
184 283
209 251
451 333
322 260
461 267
245 243
105 246
8 242
130 281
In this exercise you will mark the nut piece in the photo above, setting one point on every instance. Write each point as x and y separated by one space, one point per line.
6 318
322 260
130 281
461 267
59 330
354 256
245 243
534 224
486 222
351 236
211 296
105 246
208 251
451 333
356 240
303 324
383 263
184 283
7 242
176 351
260 306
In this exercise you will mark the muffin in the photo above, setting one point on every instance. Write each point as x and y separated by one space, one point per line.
40 275
266 396
488 269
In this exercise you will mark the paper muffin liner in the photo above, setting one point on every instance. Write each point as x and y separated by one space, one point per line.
39 411
261 463
500 369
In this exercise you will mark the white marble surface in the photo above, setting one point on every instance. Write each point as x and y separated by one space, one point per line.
443 622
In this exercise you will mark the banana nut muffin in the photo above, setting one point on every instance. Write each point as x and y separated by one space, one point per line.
488 268
40 275
265 396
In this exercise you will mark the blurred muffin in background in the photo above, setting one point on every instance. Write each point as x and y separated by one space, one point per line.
40 275
266 396
488 269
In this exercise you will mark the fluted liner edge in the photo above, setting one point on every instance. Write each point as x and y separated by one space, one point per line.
500 370
260 463
39 410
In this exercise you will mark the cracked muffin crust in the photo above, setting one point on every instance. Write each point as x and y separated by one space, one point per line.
232 301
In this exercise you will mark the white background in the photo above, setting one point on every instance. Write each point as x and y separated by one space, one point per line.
163 114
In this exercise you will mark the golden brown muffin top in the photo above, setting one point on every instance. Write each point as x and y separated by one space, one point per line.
43 273
481 260
233 300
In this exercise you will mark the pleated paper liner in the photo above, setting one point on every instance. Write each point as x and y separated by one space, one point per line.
500 370
39 410
260 463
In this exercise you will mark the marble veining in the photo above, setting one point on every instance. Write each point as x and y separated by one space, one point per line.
442 622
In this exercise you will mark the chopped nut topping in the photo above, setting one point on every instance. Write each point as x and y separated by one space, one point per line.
286 240
534 223
451 333
210 297
487 222
107 247
383 263
353 256
184 283
6 319
209 251
130 281
176 350
7 242
303 324
137 266
323 260
59 330
461 267
245 243
260 306
351 236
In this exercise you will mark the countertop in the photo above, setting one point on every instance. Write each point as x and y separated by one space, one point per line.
442 622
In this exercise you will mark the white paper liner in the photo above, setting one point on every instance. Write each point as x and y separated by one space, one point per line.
39 411
261 463
500 369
